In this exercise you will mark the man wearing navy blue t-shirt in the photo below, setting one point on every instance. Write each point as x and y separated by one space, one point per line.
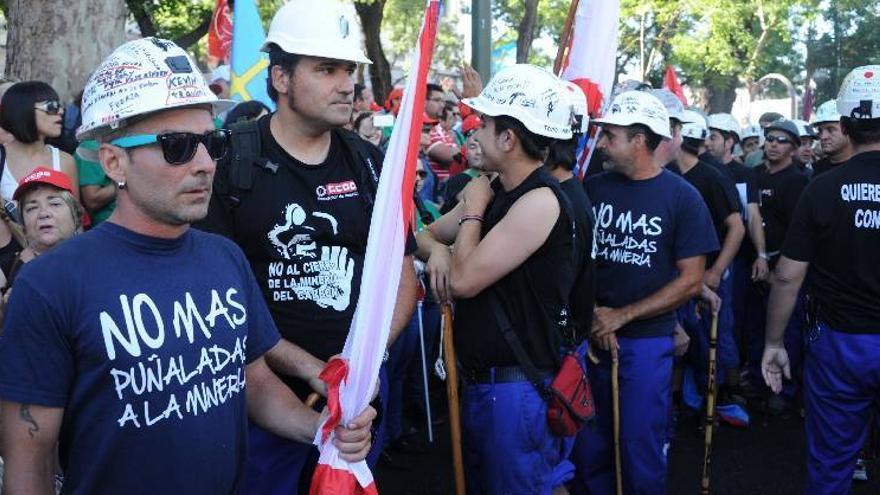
135 367
652 234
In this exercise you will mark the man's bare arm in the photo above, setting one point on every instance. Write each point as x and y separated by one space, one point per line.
29 434
442 153
730 245
477 264
289 359
686 285
273 406
407 291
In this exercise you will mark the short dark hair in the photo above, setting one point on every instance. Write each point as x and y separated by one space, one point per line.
360 118
769 117
246 110
562 154
431 87
17 109
359 91
287 62
533 145
651 138
861 131
691 145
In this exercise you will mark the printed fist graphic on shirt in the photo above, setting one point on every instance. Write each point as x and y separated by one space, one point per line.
337 272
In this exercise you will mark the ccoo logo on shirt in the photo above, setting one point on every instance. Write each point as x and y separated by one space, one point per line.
336 190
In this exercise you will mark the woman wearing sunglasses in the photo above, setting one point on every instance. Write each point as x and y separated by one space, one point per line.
31 112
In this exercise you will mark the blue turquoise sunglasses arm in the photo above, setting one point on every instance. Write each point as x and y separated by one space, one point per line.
135 141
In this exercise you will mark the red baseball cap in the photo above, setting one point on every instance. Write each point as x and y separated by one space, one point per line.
470 123
43 175
427 120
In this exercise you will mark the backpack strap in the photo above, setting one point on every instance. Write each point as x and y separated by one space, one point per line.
246 153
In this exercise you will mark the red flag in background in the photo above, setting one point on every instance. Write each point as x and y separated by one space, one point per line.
670 82
808 103
220 32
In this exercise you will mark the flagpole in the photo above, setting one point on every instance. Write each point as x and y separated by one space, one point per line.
565 40
452 393
419 315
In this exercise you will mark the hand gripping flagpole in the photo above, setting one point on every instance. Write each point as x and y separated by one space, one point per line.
452 392
710 408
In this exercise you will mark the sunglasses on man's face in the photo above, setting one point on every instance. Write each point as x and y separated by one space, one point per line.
51 107
778 139
179 148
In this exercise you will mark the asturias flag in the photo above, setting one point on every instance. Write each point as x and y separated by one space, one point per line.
352 377
248 62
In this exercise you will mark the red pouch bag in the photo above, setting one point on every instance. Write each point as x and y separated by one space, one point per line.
570 402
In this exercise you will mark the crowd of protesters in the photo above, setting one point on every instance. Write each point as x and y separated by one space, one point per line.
678 224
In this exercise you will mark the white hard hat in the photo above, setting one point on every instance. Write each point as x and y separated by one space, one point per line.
724 122
580 118
753 131
827 112
530 95
859 96
695 126
673 105
140 77
318 29
638 107
804 128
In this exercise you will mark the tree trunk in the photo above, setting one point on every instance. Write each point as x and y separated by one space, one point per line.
526 31
721 94
62 41
371 15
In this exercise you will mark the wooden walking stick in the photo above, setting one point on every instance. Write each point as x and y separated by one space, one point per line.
710 408
452 393
615 400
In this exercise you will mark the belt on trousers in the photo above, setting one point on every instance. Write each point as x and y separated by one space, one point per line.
502 374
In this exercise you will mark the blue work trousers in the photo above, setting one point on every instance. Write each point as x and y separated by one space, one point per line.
645 380
841 387
507 445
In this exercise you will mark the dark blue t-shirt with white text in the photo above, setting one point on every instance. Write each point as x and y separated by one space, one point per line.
145 348
642 228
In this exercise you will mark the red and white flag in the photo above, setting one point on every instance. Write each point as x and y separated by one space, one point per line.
591 62
670 82
351 379
220 32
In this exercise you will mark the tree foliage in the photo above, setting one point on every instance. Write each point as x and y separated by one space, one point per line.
508 16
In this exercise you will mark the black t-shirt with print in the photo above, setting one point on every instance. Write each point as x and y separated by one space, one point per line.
780 192
304 231
719 194
836 228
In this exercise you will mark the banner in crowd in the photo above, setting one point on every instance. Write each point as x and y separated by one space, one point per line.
670 82
352 378
249 64
591 63
220 33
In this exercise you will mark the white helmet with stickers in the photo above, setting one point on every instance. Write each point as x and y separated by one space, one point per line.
529 94
726 123
327 29
805 130
827 112
141 77
695 127
580 118
672 103
638 107
753 131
